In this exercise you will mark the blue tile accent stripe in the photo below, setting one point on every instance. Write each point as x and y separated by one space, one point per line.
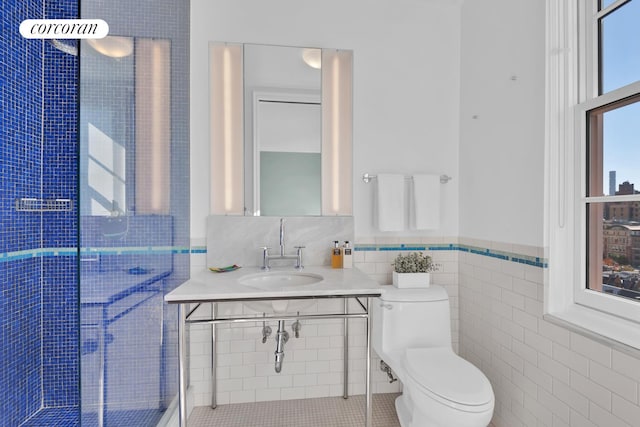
159 250
134 250
126 250
505 256
37 253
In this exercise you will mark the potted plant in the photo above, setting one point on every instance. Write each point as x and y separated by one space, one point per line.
412 270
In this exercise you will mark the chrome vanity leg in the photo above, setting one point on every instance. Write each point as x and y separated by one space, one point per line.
214 312
368 409
102 372
163 352
345 356
182 374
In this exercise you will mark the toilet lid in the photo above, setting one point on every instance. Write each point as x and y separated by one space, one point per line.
449 376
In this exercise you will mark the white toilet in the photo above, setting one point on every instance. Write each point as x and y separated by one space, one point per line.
412 334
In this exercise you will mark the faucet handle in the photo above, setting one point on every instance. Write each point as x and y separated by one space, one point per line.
299 265
265 250
265 258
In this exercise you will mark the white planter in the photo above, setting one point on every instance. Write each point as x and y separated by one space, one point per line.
411 280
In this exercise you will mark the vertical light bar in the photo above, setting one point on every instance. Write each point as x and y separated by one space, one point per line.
226 128
153 126
337 177
335 134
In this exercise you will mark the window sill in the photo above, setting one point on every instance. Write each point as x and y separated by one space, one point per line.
617 333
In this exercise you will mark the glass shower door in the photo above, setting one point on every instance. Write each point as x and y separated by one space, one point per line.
134 223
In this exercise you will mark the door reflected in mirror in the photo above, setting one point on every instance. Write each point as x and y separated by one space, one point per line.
286 154
287 138
283 135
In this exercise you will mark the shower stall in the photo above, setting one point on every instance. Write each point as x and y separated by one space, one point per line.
95 222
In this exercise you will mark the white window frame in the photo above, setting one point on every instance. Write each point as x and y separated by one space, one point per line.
571 89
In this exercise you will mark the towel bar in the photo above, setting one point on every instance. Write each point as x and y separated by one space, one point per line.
367 178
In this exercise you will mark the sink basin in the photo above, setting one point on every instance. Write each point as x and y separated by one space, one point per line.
280 281
275 281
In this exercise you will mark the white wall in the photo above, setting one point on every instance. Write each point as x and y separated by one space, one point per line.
502 121
541 373
406 79
426 75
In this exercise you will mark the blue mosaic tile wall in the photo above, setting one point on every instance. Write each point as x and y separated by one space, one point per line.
61 378
20 335
20 125
40 351
20 136
38 316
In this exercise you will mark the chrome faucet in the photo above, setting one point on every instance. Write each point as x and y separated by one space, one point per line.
266 258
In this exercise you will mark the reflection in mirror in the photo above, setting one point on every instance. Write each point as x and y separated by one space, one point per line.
124 126
287 158
282 131
296 134
286 149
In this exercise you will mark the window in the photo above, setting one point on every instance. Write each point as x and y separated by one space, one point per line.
593 154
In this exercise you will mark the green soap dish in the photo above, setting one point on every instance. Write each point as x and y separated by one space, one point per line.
224 269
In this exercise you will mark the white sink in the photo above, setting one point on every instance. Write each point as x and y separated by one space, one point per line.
280 281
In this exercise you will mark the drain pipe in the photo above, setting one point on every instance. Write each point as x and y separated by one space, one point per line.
282 337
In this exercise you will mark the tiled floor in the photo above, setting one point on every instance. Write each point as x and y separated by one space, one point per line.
323 412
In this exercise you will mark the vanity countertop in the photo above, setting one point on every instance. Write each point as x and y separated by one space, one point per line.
209 286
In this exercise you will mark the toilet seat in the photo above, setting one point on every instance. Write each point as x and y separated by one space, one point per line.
449 379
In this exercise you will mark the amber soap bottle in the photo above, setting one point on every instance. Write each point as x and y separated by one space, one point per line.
336 255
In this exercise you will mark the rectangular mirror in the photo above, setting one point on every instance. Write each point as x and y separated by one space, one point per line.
280 130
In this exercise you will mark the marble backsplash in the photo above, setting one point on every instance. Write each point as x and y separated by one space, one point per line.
239 239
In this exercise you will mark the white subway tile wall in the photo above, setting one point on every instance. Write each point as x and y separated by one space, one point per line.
313 363
542 374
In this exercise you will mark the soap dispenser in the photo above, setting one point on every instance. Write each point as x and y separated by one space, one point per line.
347 255
336 255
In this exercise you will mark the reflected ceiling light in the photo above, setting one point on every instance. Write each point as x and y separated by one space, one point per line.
113 46
312 57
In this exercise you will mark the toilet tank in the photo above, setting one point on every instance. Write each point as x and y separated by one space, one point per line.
409 318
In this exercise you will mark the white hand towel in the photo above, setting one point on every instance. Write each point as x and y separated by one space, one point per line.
426 201
390 202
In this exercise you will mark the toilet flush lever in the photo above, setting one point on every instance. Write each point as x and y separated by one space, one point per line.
387 306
